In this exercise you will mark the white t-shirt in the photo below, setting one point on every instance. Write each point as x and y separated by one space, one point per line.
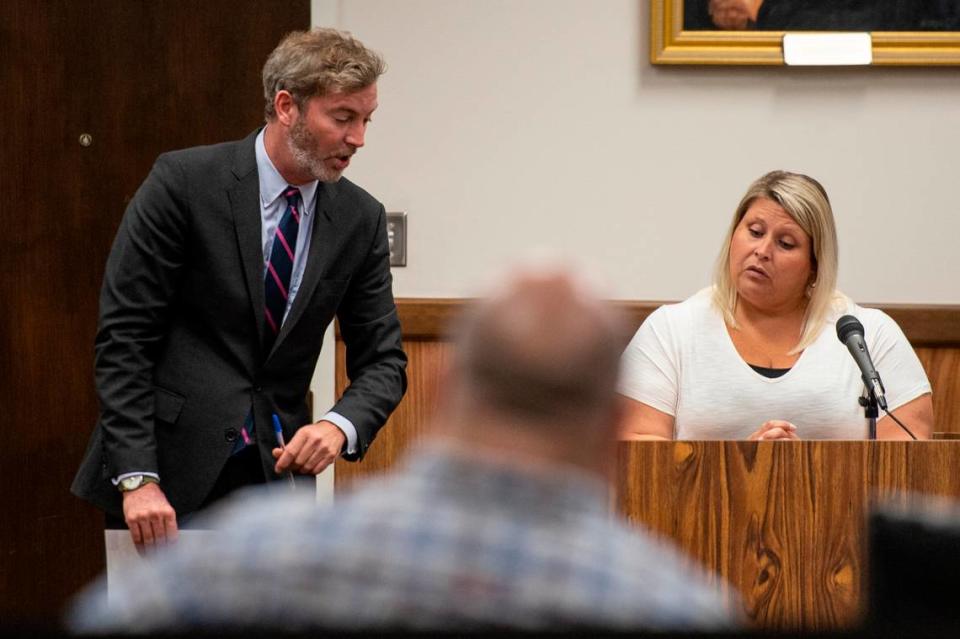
682 362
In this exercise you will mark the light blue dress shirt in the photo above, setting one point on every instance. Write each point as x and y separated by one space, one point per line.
272 207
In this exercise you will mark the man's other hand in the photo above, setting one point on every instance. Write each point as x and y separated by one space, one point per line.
313 448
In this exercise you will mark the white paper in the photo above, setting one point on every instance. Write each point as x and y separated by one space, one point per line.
827 49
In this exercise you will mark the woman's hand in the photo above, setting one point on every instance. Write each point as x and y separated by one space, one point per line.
775 429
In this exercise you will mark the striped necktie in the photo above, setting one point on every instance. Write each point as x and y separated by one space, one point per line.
280 267
276 289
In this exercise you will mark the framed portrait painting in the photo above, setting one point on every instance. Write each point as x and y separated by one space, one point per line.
751 32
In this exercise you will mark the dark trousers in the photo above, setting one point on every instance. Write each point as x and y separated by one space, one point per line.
242 469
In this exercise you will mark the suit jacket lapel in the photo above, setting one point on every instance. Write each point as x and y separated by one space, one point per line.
322 247
245 203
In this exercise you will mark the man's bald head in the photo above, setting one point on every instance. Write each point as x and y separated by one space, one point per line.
544 354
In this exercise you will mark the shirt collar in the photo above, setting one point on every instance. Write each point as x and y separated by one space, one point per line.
272 184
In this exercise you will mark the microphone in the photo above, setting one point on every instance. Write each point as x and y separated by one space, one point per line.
850 332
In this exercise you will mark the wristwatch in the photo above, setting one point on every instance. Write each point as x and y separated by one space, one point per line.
135 481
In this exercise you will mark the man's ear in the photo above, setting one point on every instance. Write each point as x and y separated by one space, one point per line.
285 107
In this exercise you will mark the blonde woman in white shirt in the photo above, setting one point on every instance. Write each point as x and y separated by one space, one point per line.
756 356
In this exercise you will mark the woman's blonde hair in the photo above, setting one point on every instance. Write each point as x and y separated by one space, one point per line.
806 202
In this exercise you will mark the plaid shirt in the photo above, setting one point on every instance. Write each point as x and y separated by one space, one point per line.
446 543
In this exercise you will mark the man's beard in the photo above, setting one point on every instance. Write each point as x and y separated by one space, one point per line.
302 144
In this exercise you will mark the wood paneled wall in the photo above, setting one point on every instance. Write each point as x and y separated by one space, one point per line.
933 330
427 360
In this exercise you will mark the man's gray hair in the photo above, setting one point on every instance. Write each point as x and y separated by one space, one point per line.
318 62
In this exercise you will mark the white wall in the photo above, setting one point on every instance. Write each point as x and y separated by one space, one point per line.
506 124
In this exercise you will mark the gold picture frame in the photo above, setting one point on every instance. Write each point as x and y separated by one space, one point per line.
671 44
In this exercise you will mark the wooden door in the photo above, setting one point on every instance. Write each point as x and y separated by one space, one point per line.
132 79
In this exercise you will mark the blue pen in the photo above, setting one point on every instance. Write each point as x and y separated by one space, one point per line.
278 431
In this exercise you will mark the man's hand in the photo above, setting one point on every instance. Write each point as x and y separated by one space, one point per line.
313 448
149 516
775 429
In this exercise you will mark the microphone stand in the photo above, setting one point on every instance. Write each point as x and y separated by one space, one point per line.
871 411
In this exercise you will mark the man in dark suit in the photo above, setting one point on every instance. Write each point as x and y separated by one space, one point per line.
229 264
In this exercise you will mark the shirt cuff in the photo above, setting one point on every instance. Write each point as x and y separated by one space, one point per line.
119 478
347 427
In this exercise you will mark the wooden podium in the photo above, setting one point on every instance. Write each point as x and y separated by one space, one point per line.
782 522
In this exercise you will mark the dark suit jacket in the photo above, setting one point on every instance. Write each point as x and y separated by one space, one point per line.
179 356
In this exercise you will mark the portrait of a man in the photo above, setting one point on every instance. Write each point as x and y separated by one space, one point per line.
818 15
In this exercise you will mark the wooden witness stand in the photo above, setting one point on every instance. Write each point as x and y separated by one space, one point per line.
783 523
